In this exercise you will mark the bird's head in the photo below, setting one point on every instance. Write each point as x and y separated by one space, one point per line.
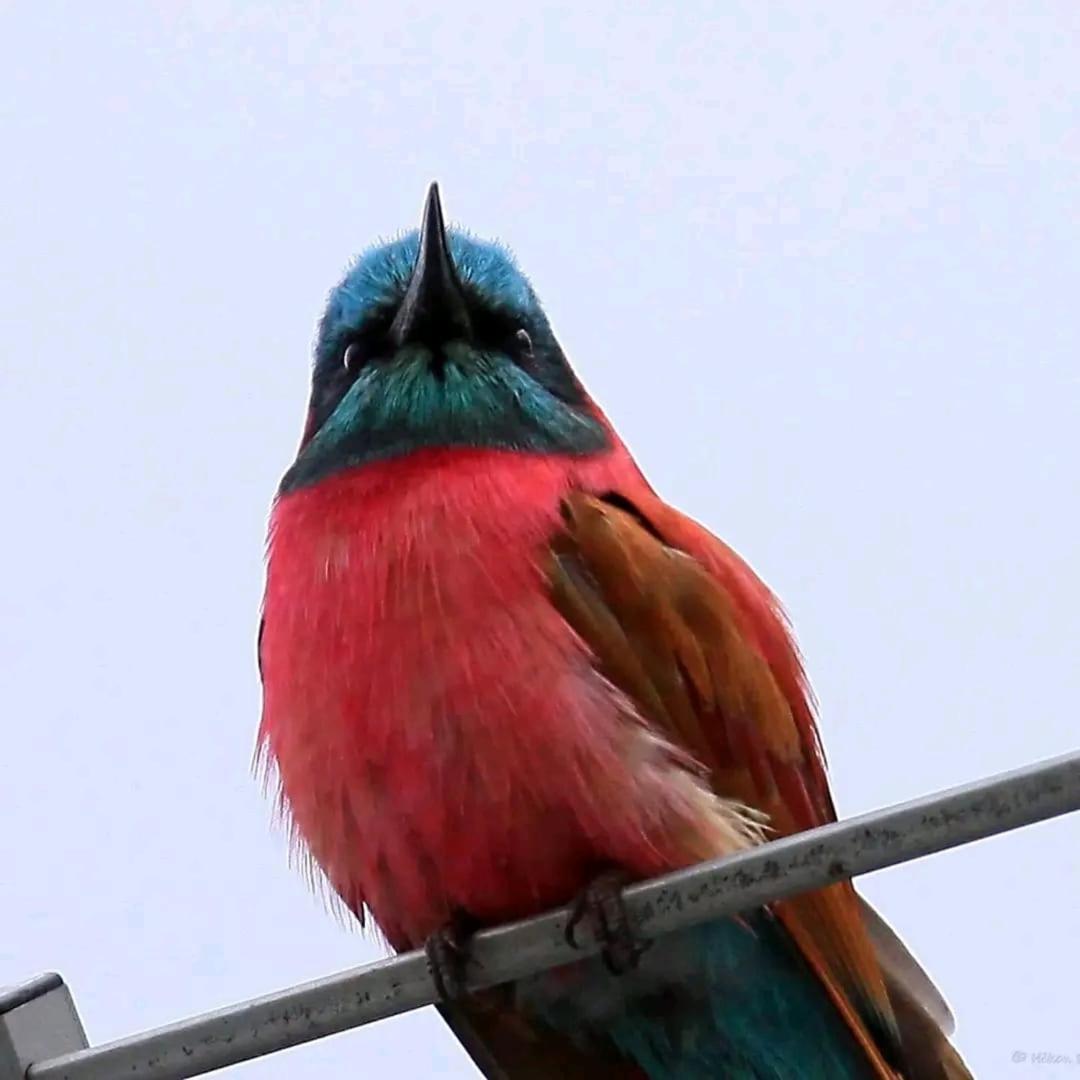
438 340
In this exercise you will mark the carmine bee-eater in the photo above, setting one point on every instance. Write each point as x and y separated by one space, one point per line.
501 675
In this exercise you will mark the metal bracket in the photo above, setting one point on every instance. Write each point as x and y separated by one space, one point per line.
37 1021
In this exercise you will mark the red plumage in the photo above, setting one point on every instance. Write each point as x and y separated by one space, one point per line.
489 675
441 735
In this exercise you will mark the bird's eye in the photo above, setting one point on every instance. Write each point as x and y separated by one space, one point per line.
524 341
353 359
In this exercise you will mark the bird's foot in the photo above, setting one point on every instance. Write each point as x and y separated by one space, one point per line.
447 951
600 905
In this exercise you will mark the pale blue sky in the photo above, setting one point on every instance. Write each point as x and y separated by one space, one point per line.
818 261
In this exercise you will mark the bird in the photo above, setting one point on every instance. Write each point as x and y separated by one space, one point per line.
501 675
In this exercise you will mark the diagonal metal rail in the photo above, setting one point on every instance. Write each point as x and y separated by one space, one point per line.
710 890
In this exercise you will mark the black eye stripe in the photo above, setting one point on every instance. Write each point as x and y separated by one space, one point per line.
492 329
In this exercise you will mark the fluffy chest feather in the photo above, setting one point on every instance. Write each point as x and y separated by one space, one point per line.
441 736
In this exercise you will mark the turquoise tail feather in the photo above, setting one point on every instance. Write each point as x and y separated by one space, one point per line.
731 999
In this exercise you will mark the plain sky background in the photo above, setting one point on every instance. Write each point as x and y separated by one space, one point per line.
818 261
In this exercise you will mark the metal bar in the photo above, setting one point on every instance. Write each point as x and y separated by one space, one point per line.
37 1020
723 887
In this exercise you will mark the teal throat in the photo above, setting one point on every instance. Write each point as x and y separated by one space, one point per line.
467 398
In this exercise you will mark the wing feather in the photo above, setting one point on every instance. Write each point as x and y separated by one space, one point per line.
685 628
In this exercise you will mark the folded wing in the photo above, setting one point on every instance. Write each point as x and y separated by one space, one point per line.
687 630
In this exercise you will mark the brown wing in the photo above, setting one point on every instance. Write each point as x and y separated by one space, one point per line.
684 627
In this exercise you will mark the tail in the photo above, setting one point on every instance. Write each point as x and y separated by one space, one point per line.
922 1014
732 999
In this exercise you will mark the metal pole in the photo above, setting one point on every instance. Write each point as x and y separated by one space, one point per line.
776 870
37 1020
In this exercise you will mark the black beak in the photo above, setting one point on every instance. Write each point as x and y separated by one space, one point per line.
433 311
